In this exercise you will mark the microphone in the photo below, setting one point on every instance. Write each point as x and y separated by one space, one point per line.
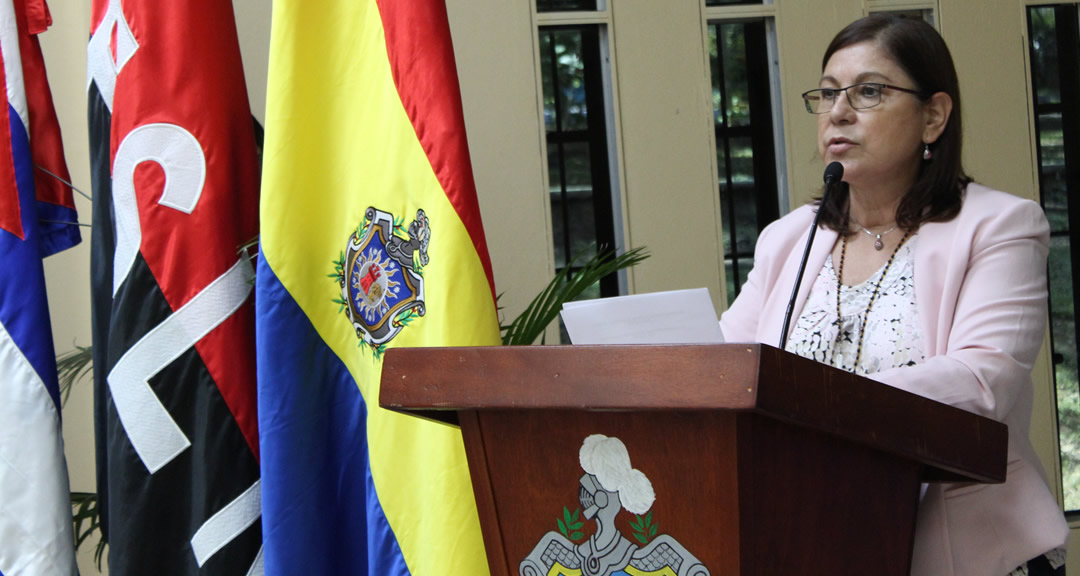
834 173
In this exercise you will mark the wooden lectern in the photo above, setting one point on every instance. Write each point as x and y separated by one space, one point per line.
761 462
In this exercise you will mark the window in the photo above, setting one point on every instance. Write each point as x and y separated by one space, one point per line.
740 66
566 5
1055 74
921 9
582 214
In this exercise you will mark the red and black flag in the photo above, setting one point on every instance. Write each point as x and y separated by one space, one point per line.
175 177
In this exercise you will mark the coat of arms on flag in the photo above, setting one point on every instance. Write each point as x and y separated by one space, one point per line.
381 276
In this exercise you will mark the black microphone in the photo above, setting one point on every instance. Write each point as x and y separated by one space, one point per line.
834 173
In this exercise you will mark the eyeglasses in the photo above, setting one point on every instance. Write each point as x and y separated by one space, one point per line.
865 95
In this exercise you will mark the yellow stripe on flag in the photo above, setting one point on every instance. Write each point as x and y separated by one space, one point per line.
338 142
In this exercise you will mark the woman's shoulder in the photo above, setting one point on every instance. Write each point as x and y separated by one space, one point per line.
790 227
993 215
981 202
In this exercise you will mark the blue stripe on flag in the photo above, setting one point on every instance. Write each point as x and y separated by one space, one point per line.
58 227
36 523
320 507
24 310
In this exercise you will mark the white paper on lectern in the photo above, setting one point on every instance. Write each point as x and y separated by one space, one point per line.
674 317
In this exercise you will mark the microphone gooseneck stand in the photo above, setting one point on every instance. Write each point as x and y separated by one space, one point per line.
834 172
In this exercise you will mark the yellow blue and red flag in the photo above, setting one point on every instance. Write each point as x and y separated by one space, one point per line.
36 219
370 238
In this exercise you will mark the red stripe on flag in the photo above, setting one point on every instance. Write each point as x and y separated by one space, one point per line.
187 73
38 18
97 13
10 213
422 62
46 146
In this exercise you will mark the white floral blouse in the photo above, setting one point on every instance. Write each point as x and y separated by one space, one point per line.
892 337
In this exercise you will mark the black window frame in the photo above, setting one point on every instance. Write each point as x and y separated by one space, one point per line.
761 134
1067 28
596 136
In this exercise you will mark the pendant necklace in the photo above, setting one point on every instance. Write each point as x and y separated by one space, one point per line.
878 244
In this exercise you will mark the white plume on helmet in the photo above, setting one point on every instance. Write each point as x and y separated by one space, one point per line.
608 460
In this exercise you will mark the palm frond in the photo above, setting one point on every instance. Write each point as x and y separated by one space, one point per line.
72 366
564 287
85 511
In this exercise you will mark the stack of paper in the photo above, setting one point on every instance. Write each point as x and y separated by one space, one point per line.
675 317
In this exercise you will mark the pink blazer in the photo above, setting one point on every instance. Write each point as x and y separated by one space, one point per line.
980 285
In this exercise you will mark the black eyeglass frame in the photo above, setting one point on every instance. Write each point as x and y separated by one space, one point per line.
806 95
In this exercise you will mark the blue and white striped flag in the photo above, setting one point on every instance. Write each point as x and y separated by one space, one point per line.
35 501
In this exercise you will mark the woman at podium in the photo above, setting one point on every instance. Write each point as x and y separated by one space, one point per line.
919 278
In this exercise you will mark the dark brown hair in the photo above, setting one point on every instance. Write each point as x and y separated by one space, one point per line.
920 51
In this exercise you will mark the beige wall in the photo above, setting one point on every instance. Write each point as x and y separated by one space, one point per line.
667 152
663 142
68 273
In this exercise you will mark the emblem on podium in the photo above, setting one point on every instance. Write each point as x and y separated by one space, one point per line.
609 485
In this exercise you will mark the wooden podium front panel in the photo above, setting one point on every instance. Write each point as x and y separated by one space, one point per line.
743 493
813 504
762 462
533 472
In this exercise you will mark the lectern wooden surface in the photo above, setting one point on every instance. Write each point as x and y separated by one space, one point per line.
762 462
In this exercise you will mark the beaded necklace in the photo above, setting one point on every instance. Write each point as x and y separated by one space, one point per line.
873 295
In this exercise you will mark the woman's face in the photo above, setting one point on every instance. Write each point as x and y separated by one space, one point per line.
880 145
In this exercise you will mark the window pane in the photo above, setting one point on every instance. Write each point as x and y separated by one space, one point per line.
721 162
730 2
570 68
746 230
727 208
558 227
739 201
555 178
742 161
565 5
1052 171
729 276
924 15
579 198
717 77
1063 330
1044 57
736 89
578 168
548 79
